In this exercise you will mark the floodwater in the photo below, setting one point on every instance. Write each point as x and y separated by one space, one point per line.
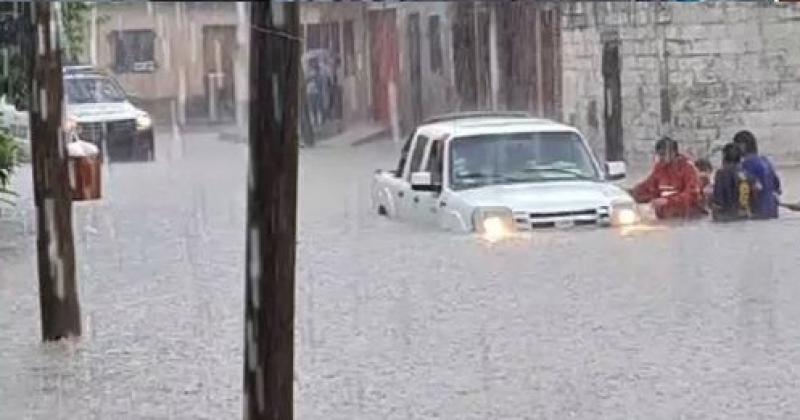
396 321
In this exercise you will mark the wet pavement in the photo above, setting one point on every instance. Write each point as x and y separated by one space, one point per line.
394 321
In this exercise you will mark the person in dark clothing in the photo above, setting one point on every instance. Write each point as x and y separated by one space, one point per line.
731 199
764 179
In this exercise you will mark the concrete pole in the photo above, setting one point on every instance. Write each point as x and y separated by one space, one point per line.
240 67
93 36
539 72
393 117
494 61
476 47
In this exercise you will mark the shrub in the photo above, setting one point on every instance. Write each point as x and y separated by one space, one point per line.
9 151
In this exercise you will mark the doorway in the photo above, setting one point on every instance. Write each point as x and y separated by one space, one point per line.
219 44
384 63
613 101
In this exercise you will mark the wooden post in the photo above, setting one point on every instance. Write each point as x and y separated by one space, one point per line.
58 295
271 211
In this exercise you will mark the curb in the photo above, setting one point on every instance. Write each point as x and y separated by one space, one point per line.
370 138
233 137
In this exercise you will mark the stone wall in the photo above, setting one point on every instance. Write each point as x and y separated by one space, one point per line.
697 72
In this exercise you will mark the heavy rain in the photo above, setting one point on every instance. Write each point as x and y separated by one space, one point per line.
503 210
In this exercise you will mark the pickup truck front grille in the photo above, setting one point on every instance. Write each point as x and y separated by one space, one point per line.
588 212
544 220
119 136
91 132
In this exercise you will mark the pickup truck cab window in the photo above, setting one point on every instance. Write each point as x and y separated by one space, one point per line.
519 158
416 156
404 156
93 90
435 161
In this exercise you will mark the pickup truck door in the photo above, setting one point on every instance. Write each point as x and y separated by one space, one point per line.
427 203
408 200
397 185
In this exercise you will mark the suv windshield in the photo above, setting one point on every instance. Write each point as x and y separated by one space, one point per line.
92 90
519 157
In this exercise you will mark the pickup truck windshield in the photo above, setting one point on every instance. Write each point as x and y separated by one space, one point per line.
519 157
92 90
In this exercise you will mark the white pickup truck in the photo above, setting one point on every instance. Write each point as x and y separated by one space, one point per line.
498 173
99 111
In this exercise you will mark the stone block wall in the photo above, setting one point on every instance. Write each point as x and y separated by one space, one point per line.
719 66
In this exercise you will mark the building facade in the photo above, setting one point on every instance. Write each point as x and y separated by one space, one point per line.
183 61
341 29
410 48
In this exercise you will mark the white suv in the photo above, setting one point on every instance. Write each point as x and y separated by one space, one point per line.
496 173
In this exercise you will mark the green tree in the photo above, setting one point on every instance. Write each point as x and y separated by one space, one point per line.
14 68
75 19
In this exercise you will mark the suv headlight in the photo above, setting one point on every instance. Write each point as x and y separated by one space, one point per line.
624 214
143 122
493 222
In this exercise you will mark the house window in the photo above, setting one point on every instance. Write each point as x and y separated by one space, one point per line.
133 51
435 38
349 49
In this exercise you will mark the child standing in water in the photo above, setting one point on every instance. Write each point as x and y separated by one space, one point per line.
706 172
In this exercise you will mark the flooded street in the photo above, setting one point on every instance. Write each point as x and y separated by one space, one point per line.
395 321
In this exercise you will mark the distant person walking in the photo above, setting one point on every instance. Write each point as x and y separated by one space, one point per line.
762 175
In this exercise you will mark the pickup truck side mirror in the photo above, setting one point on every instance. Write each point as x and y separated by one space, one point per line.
422 181
615 171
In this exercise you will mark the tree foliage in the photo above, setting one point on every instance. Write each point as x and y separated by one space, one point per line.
15 67
75 18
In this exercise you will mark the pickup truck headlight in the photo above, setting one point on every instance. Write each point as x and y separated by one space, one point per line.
143 122
624 214
493 222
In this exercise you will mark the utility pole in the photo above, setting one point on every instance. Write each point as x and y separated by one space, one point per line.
271 211
58 295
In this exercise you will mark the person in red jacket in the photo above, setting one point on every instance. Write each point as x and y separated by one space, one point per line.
673 187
